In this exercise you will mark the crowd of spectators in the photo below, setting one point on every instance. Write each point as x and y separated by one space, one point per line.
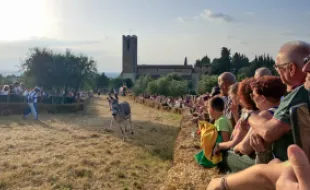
252 117
18 89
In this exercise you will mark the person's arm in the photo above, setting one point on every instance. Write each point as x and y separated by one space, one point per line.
258 177
238 137
244 147
269 129
273 129
225 136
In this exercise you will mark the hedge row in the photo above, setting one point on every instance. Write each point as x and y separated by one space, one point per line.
46 100
18 108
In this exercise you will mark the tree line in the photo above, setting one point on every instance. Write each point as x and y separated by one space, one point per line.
68 71
169 85
238 63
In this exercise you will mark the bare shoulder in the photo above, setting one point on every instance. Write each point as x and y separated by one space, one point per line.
265 114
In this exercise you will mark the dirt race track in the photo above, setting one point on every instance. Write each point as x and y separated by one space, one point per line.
79 151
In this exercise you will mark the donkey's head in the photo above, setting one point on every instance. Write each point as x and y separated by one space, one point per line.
115 108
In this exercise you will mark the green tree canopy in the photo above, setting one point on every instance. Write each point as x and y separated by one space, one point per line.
141 83
55 70
206 83
102 81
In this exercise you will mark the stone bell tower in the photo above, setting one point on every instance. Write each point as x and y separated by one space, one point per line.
130 57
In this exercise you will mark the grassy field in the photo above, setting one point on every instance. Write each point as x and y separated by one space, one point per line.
79 151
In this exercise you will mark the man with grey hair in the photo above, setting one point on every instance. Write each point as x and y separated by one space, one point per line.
277 130
262 71
225 80
292 57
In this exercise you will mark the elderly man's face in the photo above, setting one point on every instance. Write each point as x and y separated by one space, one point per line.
281 67
306 69
223 86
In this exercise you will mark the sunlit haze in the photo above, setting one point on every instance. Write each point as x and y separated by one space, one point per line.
167 30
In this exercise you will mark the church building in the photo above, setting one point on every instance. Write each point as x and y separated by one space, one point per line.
132 70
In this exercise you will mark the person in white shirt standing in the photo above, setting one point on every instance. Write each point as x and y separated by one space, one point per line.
32 100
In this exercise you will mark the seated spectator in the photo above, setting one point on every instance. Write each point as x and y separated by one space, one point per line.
21 88
289 63
267 92
243 93
215 91
262 71
225 80
235 107
26 92
11 87
215 109
273 175
198 110
15 88
188 102
5 90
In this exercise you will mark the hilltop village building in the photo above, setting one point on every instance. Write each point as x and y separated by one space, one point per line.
132 70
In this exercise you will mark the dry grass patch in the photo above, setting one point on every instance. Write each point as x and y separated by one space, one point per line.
78 151
186 174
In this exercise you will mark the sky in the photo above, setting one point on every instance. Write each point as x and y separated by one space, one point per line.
167 30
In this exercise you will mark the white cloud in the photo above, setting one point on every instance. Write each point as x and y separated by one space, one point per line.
209 15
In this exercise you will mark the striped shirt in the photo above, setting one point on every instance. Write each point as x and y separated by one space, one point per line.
228 103
32 97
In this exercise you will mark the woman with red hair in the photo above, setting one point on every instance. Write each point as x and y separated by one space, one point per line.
266 93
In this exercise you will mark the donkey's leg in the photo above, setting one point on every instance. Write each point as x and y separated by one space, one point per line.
111 122
130 124
120 126
125 127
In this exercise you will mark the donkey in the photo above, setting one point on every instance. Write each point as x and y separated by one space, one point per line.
120 113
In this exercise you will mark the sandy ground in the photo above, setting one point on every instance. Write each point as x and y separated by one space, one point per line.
79 151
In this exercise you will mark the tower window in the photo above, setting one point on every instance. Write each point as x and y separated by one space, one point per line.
128 44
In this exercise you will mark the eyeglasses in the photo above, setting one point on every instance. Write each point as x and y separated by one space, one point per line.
279 66
307 59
